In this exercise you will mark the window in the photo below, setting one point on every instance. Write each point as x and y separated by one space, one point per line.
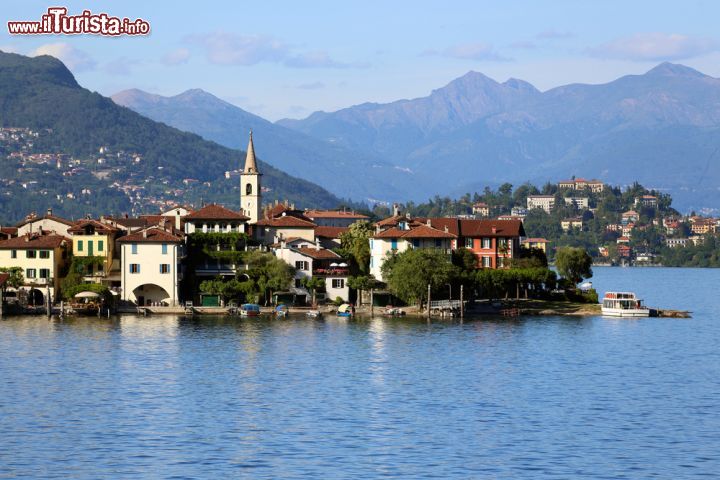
438 243
301 265
371 244
416 243
164 268
338 283
500 262
44 273
133 248
164 248
468 243
393 243
487 263
298 282
13 254
248 189
31 273
30 253
134 268
101 245
485 243
44 253
80 245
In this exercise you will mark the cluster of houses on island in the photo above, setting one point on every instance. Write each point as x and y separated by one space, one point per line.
142 260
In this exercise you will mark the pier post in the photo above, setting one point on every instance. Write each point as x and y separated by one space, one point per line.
47 302
462 305
428 301
372 302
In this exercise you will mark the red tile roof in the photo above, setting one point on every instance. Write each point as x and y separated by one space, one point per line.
318 254
34 241
151 235
333 214
46 217
330 232
277 210
215 212
79 227
422 231
9 231
491 228
286 221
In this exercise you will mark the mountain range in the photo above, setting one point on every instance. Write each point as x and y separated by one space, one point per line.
40 93
331 165
661 128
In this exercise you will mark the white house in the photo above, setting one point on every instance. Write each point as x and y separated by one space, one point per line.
546 202
215 218
579 202
314 261
334 218
398 239
47 223
151 269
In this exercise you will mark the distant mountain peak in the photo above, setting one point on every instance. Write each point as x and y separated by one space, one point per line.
674 69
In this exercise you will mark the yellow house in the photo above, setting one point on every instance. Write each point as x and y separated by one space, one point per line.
42 258
539 243
91 238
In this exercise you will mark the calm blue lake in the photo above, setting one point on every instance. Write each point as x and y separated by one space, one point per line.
551 397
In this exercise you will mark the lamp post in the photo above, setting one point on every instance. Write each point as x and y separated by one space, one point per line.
450 287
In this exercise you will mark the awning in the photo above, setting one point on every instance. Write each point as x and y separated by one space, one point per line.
87 295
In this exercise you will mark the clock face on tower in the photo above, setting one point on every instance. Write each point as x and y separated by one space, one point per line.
248 189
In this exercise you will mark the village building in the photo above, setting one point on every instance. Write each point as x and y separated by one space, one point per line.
519 212
546 202
91 238
285 225
581 203
151 267
329 237
595 186
535 243
48 223
215 218
702 226
311 260
574 223
481 209
631 216
334 218
650 201
676 242
42 259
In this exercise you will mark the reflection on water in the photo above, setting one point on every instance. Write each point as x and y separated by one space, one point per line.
366 398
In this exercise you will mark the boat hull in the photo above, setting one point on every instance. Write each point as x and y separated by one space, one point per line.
631 312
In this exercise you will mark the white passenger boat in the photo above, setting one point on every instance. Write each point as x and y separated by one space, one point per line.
623 304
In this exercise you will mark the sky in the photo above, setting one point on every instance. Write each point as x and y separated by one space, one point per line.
287 59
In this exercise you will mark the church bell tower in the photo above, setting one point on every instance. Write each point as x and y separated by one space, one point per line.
250 189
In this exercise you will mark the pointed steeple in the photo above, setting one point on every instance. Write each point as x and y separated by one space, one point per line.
250 164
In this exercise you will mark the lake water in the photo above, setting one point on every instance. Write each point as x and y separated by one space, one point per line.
166 397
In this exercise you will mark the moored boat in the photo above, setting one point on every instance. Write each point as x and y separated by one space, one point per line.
281 311
249 310
313 313
345 310
623 304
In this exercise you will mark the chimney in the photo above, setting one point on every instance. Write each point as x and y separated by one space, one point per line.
144 233
429 223
396 209
494 229
49 212
317 244
446 229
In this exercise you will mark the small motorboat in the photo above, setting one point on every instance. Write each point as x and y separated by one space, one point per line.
345 310
281 311
249 310
313 314
393 311
623 304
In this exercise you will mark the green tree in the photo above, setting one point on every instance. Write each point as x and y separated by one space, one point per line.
16 279
362 282
355 246
409 273
574 263
313 284
268 273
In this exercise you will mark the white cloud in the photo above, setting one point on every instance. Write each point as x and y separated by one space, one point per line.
232 49
176 57
76 60
469 51
655 47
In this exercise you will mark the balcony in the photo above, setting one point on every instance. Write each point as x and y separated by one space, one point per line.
331 272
